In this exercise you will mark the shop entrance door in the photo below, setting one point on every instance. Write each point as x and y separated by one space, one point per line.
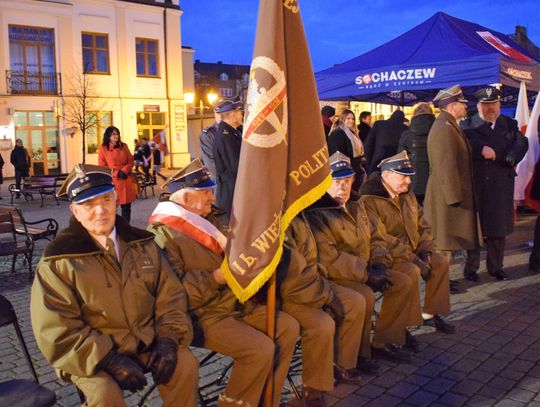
39 134
148 123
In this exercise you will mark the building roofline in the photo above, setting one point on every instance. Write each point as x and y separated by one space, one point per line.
155 3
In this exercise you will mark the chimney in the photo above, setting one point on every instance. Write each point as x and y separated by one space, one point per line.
521 31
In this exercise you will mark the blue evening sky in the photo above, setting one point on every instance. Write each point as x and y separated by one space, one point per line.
338 30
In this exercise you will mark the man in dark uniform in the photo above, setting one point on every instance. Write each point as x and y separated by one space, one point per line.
497 146
227 152
207 139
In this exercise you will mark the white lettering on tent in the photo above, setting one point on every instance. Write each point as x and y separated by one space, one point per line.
429 72
404 76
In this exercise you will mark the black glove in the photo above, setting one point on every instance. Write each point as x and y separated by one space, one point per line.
163 359
510 159
335 309
425 269
426 256
127 372
121 174
378 278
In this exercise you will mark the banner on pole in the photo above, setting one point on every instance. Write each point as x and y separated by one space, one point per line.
284 158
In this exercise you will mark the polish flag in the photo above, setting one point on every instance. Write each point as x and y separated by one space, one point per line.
525 169
522 110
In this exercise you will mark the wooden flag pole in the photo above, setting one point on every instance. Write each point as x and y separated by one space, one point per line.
271 332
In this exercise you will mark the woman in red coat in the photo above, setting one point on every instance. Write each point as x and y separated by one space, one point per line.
116 155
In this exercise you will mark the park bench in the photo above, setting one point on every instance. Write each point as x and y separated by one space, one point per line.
41 229
144 184
41 185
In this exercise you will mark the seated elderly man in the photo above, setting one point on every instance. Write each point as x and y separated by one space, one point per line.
187 228
106 306
387 197
331 317
354 254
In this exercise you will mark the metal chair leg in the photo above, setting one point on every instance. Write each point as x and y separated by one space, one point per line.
146 395
293 388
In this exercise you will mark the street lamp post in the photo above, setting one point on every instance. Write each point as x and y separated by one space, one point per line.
190 99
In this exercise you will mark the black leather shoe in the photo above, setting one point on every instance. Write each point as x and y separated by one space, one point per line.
440 325
313 398
347 376
368 366
411 343
498 274
534 268
391 353
471 276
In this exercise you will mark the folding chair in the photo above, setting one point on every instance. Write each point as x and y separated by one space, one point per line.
22 392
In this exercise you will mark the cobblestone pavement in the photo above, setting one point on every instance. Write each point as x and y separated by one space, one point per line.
492 359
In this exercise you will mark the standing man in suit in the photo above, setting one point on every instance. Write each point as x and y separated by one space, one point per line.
497 147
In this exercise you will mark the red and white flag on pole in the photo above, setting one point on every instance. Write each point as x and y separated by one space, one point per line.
522 110
525 169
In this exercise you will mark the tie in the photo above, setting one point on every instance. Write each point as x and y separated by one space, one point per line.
110 250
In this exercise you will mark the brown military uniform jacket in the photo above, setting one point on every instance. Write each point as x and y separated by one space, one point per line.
402 223
194 264
449 205
303 282
83 303
347 239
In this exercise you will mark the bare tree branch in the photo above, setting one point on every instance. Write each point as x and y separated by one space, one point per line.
80 104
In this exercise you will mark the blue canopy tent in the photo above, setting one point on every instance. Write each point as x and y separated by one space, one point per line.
440 52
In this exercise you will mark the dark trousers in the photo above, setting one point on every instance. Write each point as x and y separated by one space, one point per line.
126 211
534 260
19 174
495 255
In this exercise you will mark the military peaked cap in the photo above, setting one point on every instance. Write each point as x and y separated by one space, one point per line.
85 182
340 165
449 95
488 95
227 105
194 175
398 163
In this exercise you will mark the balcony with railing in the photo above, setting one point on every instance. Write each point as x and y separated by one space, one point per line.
33 83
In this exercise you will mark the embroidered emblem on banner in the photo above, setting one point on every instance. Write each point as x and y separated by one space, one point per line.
266 122
292 5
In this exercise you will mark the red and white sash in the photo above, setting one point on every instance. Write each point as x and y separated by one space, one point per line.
189 224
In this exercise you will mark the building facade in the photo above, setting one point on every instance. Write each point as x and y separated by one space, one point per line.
85 65
226 80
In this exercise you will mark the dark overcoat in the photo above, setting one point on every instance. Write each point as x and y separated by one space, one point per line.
450 205
414 142
207 139
494 179
383 139
227 147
